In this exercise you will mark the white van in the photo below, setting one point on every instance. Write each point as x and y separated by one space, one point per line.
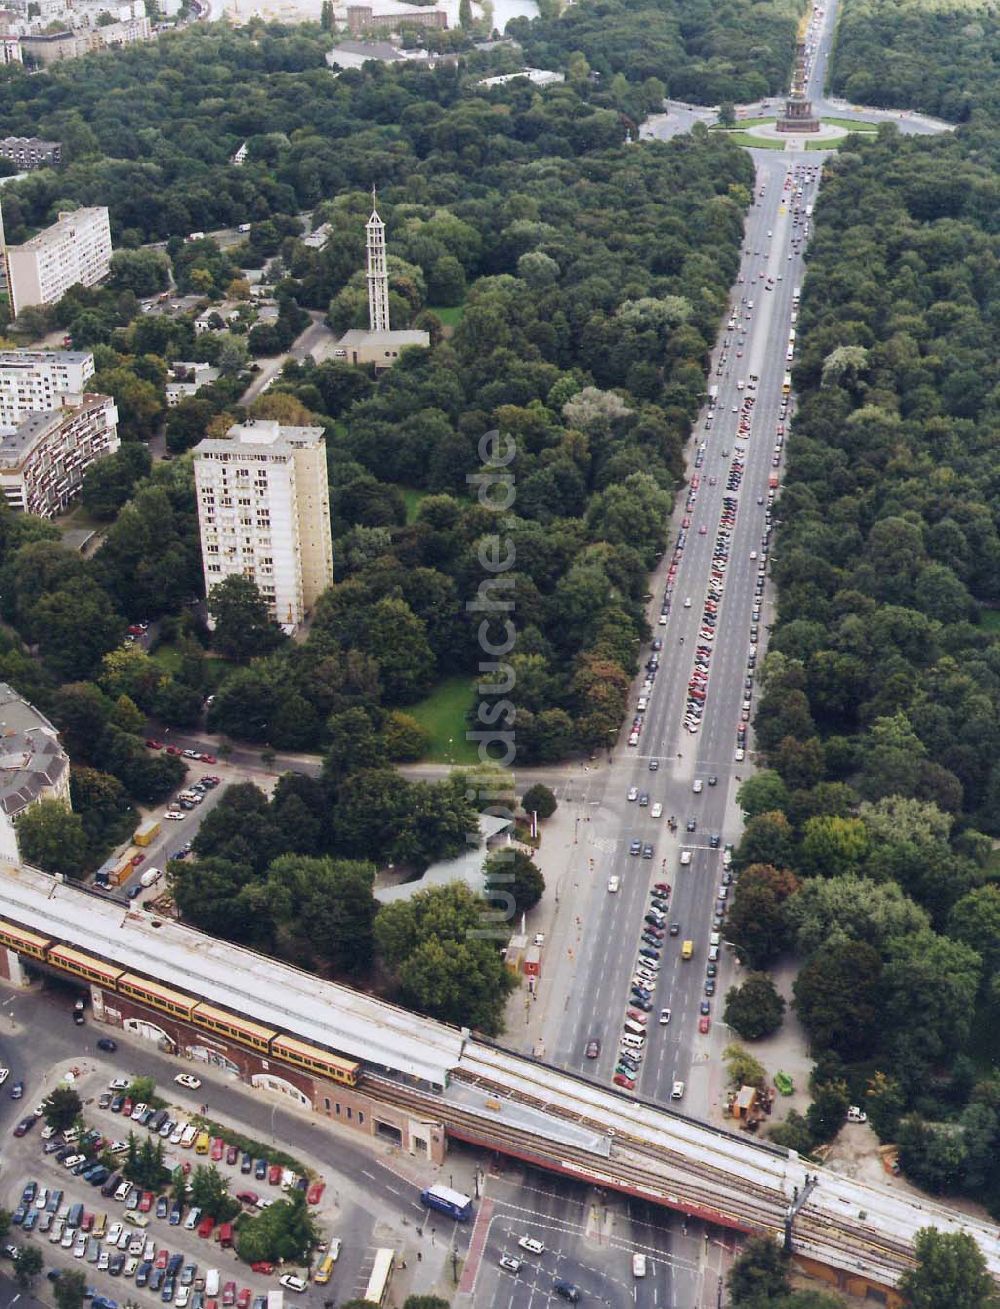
211 1283
188 1135
638 1265
685 857
614 883
677 1091
151 876
633 1040
715 939
635 1028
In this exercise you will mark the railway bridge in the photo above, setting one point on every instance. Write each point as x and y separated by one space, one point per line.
397 1075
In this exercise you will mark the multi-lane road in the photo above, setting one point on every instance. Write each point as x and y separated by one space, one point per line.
762 304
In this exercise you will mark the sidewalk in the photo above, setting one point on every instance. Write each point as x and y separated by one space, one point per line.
568 861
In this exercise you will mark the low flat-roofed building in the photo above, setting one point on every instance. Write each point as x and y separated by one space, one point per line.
187 379
537 76
379 348
466 867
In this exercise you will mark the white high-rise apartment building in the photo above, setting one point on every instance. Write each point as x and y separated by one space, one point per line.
35 381
264 513
77 248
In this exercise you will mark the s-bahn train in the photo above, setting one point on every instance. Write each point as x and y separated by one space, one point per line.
199 1013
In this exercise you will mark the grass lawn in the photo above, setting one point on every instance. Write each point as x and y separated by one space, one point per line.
443 714
741 122
169 659
450 316
412 498
851 124
755 142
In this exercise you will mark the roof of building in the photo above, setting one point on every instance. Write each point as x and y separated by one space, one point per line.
384 8
383 51
540 77
466 867
32 358
65 220
359 336
261 432
351 1022
31 759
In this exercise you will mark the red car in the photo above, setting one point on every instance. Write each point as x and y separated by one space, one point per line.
274 1175
261 1266
136 630
186 1167
243 1299
155 745
229 1293
218 1149
146 1203
137 860
87 1223
205 1229
208 758
127 1107
173 749
232 1154
662 886
248 1197
162 1258
315 1193
704 1024
620 1079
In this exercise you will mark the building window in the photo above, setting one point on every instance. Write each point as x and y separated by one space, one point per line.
361 1117
326 1103
349 1112
337 1107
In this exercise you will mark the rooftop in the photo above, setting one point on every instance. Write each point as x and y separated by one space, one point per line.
357 1025
31 758
362 336
32 358
65 222
16 443
466 867
261 432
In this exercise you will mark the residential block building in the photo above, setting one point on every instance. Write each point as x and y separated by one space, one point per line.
28 152
33 766
52 47
40 380
77 248
44 457
264 513
391 15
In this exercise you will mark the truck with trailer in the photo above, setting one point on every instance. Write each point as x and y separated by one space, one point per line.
146 833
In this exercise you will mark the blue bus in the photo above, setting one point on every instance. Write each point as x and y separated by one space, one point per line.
449 1202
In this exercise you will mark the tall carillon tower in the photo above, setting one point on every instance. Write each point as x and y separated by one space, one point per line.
378 276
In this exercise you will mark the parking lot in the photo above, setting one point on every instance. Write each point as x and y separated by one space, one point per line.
86 1216
180 817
